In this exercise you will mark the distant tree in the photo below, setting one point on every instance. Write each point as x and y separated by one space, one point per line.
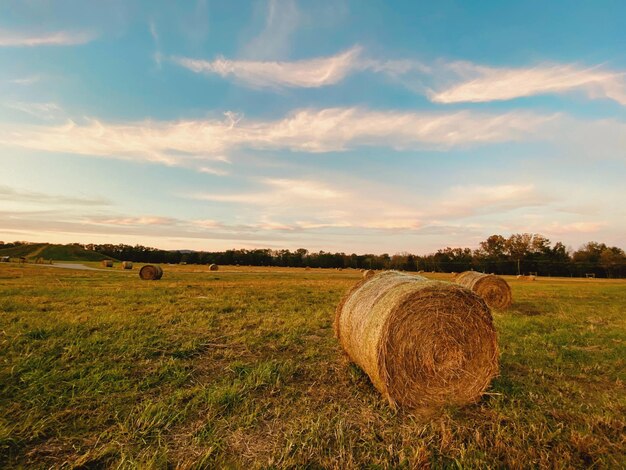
589 253
494 247
612 259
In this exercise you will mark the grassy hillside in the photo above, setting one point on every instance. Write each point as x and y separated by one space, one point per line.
51 251
239 368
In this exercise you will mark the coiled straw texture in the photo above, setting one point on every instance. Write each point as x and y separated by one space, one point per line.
422 343
493 289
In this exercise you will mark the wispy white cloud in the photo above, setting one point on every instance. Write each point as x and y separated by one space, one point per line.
213 171
282 204
282 18
158 57
305 73
153 32
44 111
477 199
56 38
25 81
443 82
327 215
574 227
8 193
474 83
277 192
192 143
308 73
144 220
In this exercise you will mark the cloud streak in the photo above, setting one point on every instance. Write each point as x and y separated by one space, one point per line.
450 82
474 83
305 73
57 38
308 73
8 193
282 19
476 199
192 143
44 111
299 205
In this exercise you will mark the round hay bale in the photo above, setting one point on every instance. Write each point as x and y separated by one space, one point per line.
127 265
368 273
492 288
213 267
308 268
107 263
423 343
150 272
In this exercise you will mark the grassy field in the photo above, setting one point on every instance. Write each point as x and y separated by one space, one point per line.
49 251
239 368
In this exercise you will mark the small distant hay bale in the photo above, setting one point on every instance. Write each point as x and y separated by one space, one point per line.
149 272
127 265
213 267
492 288
368 273
423 343
308 268
107 263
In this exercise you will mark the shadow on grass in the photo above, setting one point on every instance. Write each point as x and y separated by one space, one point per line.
527 309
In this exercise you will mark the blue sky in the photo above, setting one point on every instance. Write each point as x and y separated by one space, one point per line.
336 125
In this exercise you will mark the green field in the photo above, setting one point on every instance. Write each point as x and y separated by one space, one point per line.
50 251
239 368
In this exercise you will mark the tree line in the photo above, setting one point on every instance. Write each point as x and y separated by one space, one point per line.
523 253
518 254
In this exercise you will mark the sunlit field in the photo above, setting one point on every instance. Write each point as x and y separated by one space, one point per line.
240 368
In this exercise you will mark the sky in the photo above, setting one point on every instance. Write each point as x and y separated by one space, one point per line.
332 125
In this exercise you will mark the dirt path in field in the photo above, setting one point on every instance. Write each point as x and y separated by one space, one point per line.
35 254
80 267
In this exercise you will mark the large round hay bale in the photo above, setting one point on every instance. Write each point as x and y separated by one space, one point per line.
127 265
213 267
368 273
107 263
490 287
423 343
150 272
